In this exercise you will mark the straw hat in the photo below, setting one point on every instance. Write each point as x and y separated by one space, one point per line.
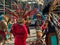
38 15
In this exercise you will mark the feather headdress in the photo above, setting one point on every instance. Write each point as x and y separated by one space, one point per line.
50 7
19 12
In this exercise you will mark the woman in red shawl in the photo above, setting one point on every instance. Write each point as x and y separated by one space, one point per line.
20 32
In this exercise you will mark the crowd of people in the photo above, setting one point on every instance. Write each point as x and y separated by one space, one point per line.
50 25
19 28
17 25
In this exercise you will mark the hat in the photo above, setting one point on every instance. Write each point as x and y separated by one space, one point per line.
38 15
22 13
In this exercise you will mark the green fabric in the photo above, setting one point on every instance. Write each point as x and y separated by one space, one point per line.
9 27
7 36
53 40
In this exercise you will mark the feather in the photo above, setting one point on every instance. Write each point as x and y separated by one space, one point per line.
25 8
31 12
20 9
14 6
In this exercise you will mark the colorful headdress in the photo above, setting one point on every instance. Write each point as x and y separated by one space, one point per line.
19 12
50 7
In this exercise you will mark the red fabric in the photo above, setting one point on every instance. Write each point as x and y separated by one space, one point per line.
59 20
43 27
2 33
20 34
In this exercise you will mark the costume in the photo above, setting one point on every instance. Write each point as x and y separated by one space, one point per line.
9 27
20 34
51 35
38 25
3 29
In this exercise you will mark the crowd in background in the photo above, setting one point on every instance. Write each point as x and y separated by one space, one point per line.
18 28
41 26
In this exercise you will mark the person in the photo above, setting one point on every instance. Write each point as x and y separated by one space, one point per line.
19 32
50 33
3 30
38 23
11 21
9 35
